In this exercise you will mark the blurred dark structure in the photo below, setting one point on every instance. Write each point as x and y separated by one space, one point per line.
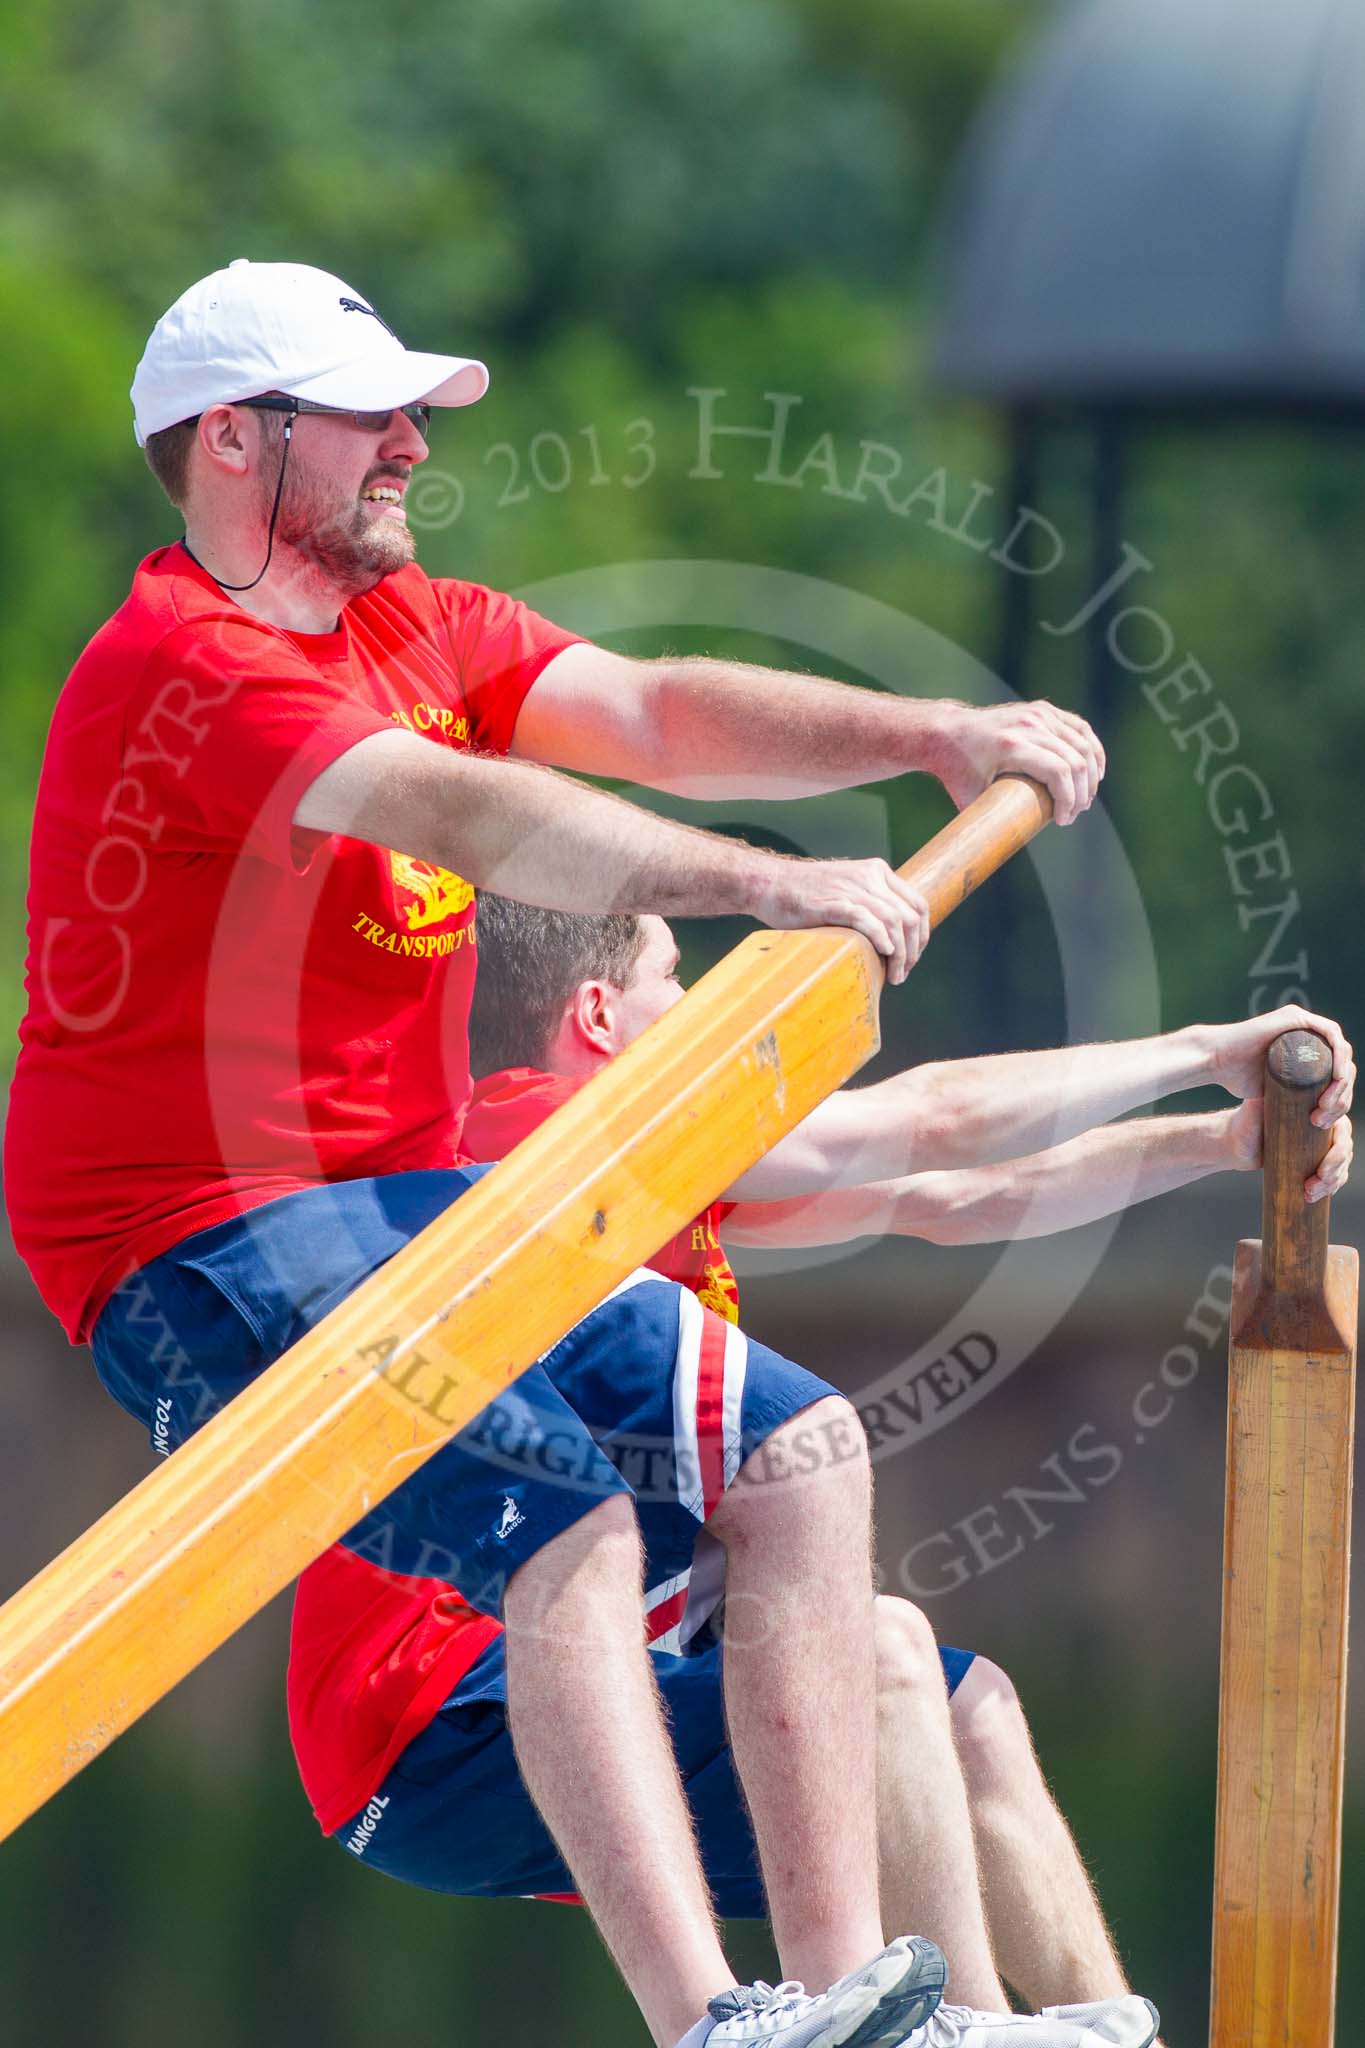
1161 219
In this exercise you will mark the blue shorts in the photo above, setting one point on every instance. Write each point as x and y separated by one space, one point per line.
453 1815
651 1395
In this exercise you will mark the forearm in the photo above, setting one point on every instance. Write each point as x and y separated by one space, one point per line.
530 833
970 1112
1088 1177
770 733
546 839
526 832
836 1216
1091 1176
721 729
962 1113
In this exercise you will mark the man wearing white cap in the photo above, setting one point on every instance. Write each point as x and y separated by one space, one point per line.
271 781
230 340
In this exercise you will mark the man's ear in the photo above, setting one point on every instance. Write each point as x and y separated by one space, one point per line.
221 439
592 1016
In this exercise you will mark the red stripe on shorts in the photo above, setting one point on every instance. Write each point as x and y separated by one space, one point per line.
659 1620
711 1409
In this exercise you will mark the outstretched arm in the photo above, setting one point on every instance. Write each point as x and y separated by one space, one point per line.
706 728
549 840
958 1113
1089 1177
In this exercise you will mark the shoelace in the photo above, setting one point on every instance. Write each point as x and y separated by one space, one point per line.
767 2002
945 2028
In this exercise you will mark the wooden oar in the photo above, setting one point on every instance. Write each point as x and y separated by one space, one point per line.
416 1351
1281 1735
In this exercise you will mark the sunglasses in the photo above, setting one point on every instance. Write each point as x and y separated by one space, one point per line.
371 422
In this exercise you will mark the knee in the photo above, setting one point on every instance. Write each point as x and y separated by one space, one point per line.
907 1651
826 1442
989 1728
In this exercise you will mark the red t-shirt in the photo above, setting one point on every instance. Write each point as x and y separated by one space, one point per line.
374 1656
223 1009
506 1107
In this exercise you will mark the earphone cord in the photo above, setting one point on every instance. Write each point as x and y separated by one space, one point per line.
274 515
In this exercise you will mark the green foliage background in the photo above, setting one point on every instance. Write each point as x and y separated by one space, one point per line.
612 203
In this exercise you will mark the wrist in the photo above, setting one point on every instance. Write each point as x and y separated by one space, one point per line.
758 883
1216 1140
1237 1147
1214 1137
1200 1143
1193 1055
936 737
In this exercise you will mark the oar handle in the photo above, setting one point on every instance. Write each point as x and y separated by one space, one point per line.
979 840
1298 1067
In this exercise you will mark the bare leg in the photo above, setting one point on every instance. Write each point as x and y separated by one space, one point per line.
586 1720
929 1875
799 1676
1050 1937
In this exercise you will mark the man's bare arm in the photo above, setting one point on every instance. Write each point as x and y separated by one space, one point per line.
705 728
1091 1176
548 840
960 1113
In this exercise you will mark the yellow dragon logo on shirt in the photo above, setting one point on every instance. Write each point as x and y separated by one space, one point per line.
439 893
718 1291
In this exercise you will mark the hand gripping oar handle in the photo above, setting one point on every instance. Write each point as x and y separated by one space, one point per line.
1294 1231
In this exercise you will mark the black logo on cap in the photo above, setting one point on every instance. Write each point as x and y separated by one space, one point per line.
359 306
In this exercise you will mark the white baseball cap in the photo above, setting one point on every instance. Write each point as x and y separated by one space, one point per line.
258 327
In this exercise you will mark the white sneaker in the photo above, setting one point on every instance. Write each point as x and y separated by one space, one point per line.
1127 2022
875 2007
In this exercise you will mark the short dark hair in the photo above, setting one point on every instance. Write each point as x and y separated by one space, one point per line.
530 962
168 453
168 458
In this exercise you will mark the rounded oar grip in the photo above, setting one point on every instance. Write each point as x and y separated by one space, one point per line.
1298 1067
957 860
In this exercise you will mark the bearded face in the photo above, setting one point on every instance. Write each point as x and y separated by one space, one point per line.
350 536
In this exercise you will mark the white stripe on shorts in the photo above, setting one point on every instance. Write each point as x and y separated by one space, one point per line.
710 1446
